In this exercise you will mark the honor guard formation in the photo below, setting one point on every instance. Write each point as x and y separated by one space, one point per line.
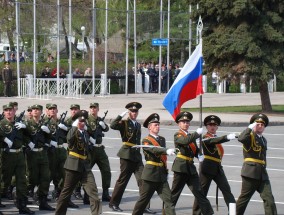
40 146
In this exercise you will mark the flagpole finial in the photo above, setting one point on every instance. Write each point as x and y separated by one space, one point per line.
199 25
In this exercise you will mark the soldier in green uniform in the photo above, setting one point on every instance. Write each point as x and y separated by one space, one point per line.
211 167
77 167
155 172
254 173
183 167
37 159
96 127
7 77
130 158
12 133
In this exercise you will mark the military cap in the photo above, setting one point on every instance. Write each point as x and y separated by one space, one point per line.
154 117
52 106
37 107
133 106
94 104
8 106
75 106
13 103
212 119
29 108
81 115
6 62
184 116
260 117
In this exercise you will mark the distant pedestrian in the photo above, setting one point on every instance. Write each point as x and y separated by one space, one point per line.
7 77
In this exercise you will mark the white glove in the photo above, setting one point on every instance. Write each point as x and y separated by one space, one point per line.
171 151
201 158
251 126
20 125
92 140
124 113
53 143
31 145
85 127
45 129
102 124
75 123
62 126
231 136
199 131
8 141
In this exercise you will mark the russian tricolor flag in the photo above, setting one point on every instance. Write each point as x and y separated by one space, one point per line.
188 84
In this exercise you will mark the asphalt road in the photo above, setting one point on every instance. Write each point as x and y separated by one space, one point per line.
232 164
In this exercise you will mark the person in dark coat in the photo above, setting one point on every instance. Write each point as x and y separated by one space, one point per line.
7 78
254 173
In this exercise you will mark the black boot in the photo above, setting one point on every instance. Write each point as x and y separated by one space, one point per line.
43 204
86 199
72 205
23 209
7 193
106 197
31 191
77 193
55 193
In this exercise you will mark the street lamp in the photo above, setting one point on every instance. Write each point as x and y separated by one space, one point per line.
83 35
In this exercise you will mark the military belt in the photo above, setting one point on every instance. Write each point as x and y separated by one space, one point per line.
98 145
129 144
83 157
15 150
179 155
154 163
37 149
59 146
255 160
212 158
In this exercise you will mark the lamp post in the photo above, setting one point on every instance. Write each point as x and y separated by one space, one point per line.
83 35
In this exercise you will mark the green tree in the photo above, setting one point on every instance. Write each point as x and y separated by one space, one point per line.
244 36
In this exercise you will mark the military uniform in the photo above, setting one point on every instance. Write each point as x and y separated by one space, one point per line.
37 160
130 158
183 167
254 173
97 150
77 168
211 168
155 172
7 77
13 135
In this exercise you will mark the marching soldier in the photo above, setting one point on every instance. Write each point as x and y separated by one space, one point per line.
155 173
7 77
183 167
37 159
254 173
130 158
211 167
96 127
77 167
12 133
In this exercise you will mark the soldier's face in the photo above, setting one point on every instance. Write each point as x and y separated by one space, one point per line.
184 125
133 114
259 128
36 112
52 112
81 124
74 111
94 111
212 128
9 113
154 128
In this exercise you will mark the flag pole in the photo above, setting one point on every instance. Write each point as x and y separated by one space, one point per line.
199 39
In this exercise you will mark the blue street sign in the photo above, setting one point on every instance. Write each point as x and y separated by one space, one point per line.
159 42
